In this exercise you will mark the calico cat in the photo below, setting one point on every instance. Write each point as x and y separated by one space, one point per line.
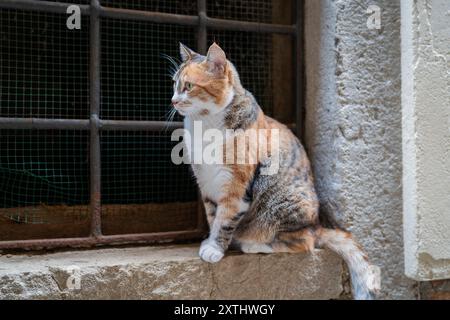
254 212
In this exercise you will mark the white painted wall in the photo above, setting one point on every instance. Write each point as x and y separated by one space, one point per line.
426 137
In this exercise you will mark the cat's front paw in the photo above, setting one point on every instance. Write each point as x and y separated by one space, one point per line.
210 252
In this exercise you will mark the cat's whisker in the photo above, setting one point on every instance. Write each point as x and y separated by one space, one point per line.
168 113
170 117
170 120
172 73
172 60
166 116
173 115
174 65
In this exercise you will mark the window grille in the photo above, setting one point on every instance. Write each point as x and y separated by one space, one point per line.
84 142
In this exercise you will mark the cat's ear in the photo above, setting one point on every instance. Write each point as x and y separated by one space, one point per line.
216 58
186 53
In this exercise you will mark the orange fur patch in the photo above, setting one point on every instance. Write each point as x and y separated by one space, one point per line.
207 85
299 241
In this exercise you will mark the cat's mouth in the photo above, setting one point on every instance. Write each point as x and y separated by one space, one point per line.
183 110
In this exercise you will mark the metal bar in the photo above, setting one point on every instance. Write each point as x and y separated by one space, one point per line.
101 240
158 17
151 237
80 124
46 6
201 31
95 165
299 76
38 123
249 26
151 16
139 125
202 42
202 19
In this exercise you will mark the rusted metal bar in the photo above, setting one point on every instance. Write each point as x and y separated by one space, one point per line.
201 31
95 164
151 237
201 20
299 70
202 42
38 123
157 17
39 244
139 125
151 16
249 26
45 6
80 124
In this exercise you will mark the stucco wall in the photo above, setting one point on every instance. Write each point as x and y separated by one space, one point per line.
426 137
353 133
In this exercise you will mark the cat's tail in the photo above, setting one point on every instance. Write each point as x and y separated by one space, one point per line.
364 276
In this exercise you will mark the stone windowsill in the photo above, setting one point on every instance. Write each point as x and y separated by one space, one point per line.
171 272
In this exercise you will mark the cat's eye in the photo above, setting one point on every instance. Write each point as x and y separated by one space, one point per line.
188 86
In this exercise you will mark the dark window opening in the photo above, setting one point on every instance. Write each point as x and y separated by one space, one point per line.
84 144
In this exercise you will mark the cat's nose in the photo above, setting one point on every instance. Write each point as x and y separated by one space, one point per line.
175 102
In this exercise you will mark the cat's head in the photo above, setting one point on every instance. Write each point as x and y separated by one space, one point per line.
203 85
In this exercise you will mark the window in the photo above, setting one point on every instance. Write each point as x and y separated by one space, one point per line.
85 146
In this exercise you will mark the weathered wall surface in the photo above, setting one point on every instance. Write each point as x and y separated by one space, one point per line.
174 272
353 131
426 137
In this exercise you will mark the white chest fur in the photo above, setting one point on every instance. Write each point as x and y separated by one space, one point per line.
211 178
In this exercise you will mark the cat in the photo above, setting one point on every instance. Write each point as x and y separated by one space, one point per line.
253 212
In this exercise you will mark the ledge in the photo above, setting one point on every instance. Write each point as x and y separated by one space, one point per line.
170 272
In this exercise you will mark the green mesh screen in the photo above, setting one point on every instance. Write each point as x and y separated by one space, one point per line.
44 72
138 177
142 191
245 10
137 168
44 179
43 166
135 75
44 67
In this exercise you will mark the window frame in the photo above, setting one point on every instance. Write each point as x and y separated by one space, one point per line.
94 125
